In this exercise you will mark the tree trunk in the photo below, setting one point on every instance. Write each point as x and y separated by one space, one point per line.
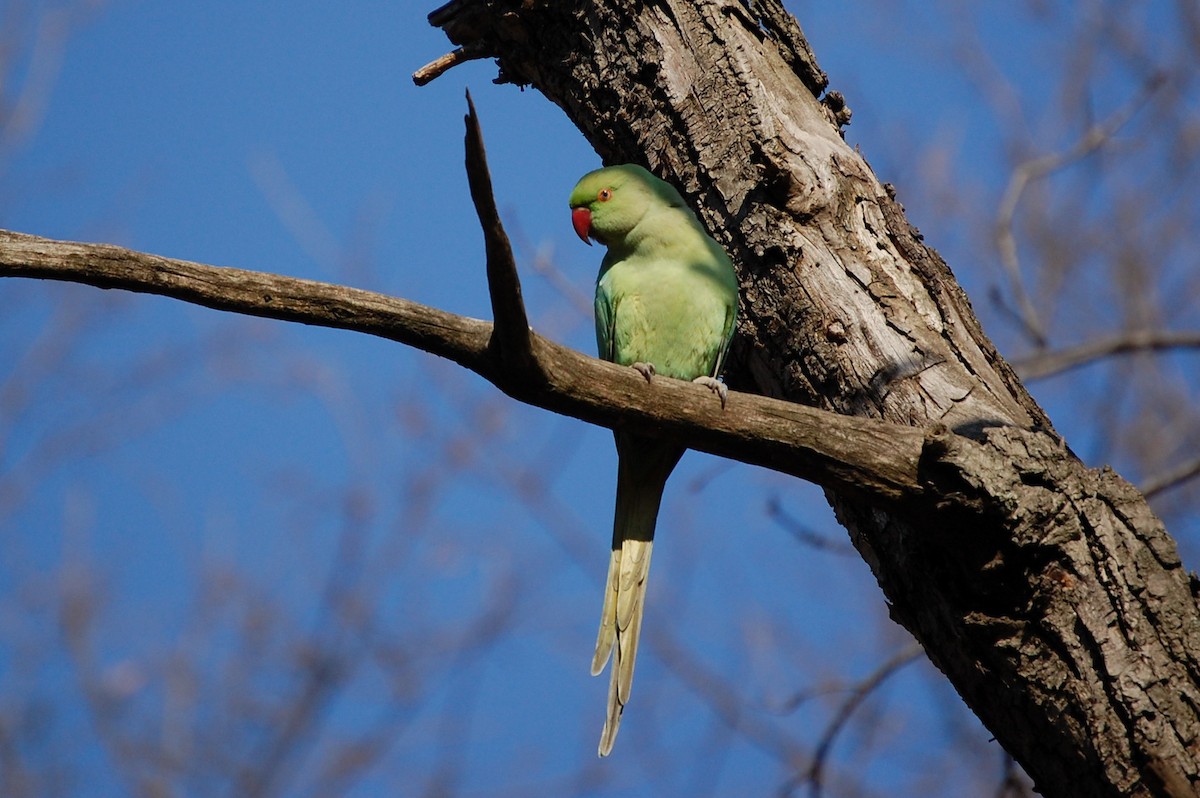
1048 592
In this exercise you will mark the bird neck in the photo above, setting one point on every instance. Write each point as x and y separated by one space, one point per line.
657 234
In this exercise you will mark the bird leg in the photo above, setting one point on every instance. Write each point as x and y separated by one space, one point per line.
714 385
645 369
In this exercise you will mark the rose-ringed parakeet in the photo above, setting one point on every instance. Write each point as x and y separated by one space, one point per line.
666 303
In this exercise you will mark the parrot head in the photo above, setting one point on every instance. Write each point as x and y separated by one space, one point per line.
608 203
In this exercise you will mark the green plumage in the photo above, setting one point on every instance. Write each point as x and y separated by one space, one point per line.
666 304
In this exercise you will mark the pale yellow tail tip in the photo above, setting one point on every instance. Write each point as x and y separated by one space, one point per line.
607 739
600 658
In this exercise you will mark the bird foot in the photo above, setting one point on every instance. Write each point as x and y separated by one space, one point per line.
716 386
645 369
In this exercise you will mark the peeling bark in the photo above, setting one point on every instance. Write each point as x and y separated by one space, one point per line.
1047 592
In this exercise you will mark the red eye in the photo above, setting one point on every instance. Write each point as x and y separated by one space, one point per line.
605 194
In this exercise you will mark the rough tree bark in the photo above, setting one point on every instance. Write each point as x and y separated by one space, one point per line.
1046 591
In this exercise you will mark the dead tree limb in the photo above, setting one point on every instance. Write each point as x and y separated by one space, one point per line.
790 438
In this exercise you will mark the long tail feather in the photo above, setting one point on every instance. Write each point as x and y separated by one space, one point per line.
644 466
608 628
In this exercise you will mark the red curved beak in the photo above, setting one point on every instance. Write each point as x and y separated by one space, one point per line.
581 220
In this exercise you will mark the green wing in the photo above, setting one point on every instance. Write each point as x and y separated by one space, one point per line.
605 320
726 339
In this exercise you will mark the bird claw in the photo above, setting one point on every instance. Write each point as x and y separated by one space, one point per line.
711 383
645 369
716 386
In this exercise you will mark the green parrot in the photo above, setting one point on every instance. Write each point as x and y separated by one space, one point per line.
666 303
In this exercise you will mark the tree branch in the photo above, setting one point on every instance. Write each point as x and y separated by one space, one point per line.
858 694
442 64
510 338
1095 137
864 456
1050 363
273 296
1160 483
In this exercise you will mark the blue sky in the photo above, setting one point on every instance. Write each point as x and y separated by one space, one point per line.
216 467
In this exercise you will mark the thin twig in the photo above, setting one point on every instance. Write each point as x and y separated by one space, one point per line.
857 696
295 212
1047 364
1173 478
1034 169
804 534
724 702
544 265
440 65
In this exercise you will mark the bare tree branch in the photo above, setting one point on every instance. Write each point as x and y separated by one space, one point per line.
1173 478
861 691
457 338
729 707
1051 363
859 455
803 534
439 65
510 336
1093 138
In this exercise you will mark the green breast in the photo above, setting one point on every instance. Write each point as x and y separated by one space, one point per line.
676 315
